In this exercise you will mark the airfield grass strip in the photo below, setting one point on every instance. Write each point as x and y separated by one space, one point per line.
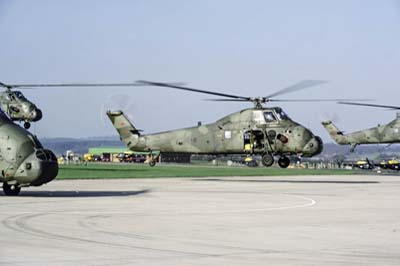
112 171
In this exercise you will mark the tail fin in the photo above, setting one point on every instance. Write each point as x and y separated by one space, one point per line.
127 132
334 132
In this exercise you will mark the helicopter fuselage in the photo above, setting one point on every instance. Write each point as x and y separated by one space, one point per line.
251 131
18 108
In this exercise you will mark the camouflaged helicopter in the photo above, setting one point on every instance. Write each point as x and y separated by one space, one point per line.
381 134
265 131
17 107
23 160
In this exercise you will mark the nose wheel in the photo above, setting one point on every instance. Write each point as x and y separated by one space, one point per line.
153 159
284 162
11 190
27 125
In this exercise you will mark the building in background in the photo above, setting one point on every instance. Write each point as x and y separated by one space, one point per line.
121 154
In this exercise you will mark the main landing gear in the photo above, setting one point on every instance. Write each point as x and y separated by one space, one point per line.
153 159
268 160
11 190
284 162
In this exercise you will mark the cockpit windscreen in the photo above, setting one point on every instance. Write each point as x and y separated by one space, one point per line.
282 115
19 95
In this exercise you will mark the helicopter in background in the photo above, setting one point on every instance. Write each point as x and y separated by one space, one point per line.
265 131
18 107
381 134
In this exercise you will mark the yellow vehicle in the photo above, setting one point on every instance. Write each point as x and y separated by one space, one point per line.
250 162
364 164
88 157
393 164
60 160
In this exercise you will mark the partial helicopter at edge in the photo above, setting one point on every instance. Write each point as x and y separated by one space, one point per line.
18 107
23 160
381 134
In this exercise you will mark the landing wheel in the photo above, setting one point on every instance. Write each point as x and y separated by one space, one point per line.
284 162
27 125
267 160
11 190
152 163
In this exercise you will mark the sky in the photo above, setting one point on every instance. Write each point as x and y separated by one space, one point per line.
249 48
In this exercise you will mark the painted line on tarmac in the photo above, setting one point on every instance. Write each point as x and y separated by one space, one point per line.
310 202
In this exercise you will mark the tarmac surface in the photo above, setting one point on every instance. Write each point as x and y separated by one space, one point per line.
297 220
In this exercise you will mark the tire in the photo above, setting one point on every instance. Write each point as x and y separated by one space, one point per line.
11 190
267 160
152 163
284 162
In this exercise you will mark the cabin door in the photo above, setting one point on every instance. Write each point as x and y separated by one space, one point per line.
254 141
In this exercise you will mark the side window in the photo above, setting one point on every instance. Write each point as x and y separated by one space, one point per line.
269 116
228 134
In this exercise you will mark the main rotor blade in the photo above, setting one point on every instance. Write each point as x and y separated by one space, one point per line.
160 84
76 85
5 85
129 84
296 87
372 105
227 100
316 100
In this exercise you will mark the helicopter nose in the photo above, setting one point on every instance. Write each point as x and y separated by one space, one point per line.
313 147
36 115
38 168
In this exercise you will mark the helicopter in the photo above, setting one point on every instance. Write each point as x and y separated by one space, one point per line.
381 134
265 131
23 160
18 107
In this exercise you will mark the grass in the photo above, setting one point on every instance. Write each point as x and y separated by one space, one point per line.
110 171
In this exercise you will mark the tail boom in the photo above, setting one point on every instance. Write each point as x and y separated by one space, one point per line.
127 132
335 133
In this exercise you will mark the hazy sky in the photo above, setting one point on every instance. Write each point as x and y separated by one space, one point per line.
240 47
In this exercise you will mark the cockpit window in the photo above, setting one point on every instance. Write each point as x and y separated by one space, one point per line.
282 115
19 95
269 116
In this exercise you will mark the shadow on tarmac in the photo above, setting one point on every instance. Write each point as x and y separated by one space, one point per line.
289 181
81 194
